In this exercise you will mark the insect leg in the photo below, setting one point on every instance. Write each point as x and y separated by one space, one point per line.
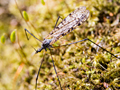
91 42
57 21
103 49
55 70
38 73
31 34
26 34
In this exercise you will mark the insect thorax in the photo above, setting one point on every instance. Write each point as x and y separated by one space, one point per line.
45 45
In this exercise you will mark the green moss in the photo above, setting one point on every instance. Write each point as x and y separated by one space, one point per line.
81 66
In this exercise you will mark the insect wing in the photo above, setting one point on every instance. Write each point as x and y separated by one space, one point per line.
74 19
71 17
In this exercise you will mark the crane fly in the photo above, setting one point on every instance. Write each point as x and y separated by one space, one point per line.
74 19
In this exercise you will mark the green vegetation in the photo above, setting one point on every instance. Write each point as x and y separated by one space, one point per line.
81 66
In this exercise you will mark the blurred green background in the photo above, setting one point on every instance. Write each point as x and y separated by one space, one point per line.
82 66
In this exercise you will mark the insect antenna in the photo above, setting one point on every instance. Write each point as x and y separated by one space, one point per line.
91 42
34 48
55 70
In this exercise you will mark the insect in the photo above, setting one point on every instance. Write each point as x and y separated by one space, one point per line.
74 19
